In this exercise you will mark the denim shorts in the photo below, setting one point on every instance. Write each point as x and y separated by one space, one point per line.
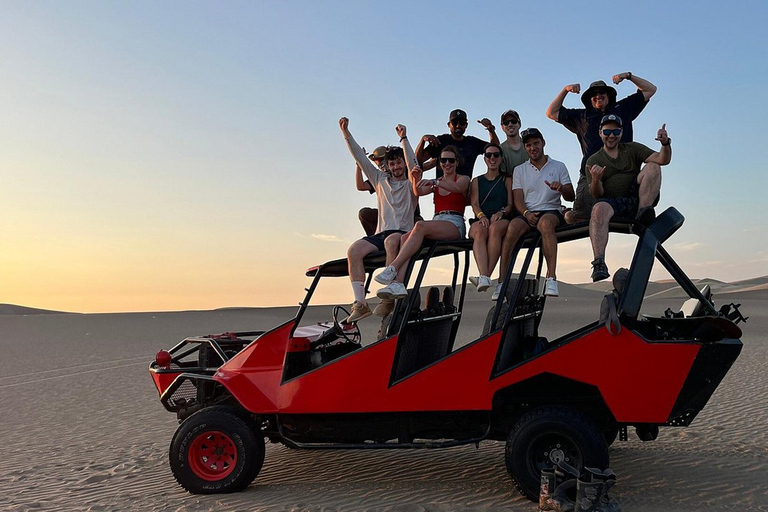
456 220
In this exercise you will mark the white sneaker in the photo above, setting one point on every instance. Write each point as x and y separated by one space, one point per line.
474 280
550 287
384 308
387 275
483 283
496 292
393 291
360 310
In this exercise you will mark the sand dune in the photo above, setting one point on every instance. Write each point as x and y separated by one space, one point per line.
84 430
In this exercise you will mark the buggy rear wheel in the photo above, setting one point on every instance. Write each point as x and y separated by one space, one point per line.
545 436
216 450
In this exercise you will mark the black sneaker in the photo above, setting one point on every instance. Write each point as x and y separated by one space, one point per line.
646 215
599 270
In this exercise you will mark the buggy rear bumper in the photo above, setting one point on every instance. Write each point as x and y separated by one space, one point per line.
709 368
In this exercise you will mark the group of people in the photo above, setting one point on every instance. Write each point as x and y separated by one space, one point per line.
521 190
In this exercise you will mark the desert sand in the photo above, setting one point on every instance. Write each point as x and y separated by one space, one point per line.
83 429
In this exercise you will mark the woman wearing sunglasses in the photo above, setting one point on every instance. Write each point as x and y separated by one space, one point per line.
491 199
450 197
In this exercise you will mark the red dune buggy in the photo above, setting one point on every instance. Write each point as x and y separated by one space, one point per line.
316 385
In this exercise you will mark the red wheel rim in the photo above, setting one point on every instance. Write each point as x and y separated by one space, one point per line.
212 455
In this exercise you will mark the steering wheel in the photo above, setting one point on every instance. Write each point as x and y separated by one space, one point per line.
351 335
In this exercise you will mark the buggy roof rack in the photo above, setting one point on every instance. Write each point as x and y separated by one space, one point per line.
338 268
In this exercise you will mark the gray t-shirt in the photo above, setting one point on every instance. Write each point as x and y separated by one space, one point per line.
511 158
395 198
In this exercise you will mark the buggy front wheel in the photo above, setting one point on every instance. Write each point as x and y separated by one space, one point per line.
216 450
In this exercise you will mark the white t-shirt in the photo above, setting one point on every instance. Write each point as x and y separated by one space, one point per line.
537 194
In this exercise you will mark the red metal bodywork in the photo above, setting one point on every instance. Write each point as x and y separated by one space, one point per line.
641 389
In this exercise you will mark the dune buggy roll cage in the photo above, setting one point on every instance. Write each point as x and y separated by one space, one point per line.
648 248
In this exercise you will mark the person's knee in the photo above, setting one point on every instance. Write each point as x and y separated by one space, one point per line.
392 242
355 252
547 224
652 169
478 233
601 212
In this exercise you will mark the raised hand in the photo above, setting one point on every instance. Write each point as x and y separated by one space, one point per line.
344 125
487 124
662 136
574 88
431 140
617 79
416 173
400 129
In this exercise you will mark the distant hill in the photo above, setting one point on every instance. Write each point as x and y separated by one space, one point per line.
12 309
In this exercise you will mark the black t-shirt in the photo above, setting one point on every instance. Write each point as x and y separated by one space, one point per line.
469 148
586 123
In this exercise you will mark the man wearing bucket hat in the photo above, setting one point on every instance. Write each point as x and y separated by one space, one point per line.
599 100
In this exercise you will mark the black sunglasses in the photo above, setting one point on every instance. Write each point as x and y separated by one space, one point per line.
447 160
495 154
459 122
510 121
615 131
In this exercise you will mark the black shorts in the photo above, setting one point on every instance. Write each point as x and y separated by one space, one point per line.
378 238
556 213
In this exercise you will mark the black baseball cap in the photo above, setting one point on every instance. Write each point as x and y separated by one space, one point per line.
530 133
457 114
510 113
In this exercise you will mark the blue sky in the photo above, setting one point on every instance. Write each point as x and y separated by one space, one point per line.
187 154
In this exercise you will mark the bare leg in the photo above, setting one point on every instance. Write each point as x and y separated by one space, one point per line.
517 228
355 254
649 180
432 229
546 227
598 228
495 238
392 246
479 236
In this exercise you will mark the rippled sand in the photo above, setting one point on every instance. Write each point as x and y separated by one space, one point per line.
82 429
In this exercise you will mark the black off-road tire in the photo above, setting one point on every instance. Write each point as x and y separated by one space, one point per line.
543 436
216 450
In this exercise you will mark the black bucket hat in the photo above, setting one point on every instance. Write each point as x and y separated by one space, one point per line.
593 87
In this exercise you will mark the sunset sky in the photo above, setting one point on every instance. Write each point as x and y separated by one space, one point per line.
187 155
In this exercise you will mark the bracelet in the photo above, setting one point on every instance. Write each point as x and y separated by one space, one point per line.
525 213
403 138
480 215
629 75
669 142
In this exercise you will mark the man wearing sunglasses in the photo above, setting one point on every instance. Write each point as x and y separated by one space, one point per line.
537 186
599 100
625 180
429 147
512 149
